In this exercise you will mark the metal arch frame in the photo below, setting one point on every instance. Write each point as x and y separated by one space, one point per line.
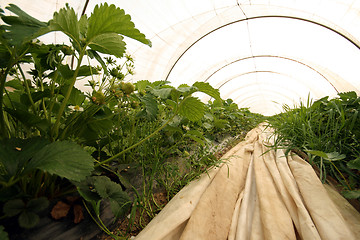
270 56
352 41
252 72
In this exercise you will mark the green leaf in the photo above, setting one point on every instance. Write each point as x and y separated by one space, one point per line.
15 83
110 19
208 89
13 207
23 27
37 204
86 70
36 96
141 85
171 103
354 164
120 204
28 119
317 153
66 21
196 136
65 71
14 153
3 235
163 93
107 189
65 159
351 194
94 54
220 123
151 106
4 56
335 156
76 96
100 125
28 219
192 108
108 43
87 190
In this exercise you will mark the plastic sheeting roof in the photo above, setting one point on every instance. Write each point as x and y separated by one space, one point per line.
260 53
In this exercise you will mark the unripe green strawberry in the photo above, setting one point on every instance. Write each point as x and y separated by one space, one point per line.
98 97
66 50
134 104
127 87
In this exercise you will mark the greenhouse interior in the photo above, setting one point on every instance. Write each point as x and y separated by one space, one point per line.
179 120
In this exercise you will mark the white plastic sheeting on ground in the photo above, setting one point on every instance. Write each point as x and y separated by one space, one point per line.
256 194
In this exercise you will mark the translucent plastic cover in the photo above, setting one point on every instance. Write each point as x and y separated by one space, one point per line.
260 53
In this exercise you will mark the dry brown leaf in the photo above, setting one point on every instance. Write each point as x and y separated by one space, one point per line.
78 213
60 210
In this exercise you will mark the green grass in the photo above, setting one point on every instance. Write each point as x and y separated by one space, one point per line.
322 129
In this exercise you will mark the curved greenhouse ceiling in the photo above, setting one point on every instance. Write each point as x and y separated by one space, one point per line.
260 53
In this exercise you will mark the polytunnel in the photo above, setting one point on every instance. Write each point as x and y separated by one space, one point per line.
270 166
261 54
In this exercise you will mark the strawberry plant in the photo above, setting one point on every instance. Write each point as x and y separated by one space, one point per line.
57 141
38 117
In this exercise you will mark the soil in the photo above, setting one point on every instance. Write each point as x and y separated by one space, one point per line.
124 228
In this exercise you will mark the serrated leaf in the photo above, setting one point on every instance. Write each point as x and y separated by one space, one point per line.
163 93
196 136
22 27
28 219
94 54
354 164
220 123
353 194
86 70
17 84
13 207
36 96
76 96
110 19
141 85
87 191
183 85
192 108
108 43
186 89
105 187
67 22
317 153
28 119
208 89
195 133
14 153
4 56
65 71
3 235
112 191
335 156
37 204
65 159
171 103
151 106
119 206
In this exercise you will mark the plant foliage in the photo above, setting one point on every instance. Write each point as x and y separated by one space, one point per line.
329 131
